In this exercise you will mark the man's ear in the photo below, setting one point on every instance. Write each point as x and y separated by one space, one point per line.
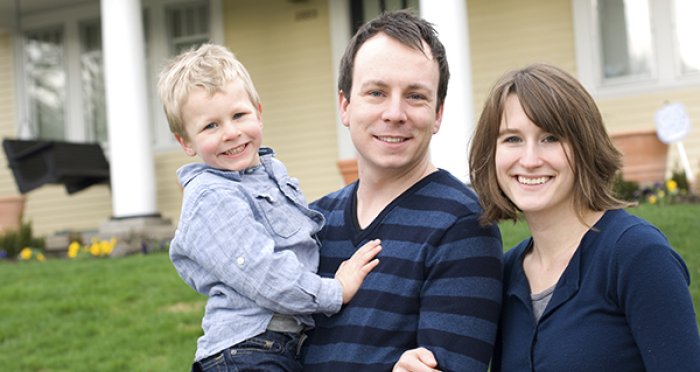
438 119
343 103
185 145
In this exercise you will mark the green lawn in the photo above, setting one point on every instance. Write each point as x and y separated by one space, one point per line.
136 314
121 314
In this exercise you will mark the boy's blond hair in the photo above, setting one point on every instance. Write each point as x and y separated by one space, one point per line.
210 67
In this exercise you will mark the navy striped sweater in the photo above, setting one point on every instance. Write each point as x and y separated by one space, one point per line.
438 283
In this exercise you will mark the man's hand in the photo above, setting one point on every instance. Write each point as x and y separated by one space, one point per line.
416 360
352 272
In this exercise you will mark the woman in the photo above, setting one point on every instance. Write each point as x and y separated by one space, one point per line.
594 288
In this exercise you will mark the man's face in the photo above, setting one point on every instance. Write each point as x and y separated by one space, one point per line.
392 110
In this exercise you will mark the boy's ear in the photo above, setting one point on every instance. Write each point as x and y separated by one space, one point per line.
185 146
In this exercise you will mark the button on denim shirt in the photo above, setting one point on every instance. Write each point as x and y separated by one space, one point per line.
247 240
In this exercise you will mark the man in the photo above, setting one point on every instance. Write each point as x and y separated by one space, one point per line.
438 284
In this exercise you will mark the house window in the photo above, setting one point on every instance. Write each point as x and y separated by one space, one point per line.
365 10
686 13
187 26
624 36
634 45
65 82
92 79
46 82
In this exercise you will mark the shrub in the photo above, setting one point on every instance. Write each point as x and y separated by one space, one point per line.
681 181
676 189
625 190
13 241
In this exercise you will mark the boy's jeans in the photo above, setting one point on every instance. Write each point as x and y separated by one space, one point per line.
269 351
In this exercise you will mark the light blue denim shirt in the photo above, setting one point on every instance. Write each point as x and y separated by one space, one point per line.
247 240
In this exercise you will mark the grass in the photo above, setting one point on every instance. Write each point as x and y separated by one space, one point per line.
122 314
136 314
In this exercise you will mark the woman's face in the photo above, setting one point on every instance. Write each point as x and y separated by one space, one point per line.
532 165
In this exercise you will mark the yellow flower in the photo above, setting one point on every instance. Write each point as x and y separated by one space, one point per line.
73 249
40 257
671 186
652 199
25 254
95 248
109 246
661 194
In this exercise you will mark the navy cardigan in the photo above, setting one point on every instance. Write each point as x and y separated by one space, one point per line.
622 304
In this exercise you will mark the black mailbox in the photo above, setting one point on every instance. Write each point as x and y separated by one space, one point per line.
37 162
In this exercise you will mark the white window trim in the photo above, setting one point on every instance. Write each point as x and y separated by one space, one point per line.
665 73
68 19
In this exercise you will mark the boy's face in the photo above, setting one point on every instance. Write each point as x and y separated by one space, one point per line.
225 129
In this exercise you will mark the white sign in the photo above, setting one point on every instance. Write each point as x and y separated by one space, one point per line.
672 123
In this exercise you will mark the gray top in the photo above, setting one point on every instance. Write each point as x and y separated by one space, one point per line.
540 301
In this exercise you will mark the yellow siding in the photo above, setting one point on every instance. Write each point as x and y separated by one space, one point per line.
168 192
7 110
53 210
286 48
508 34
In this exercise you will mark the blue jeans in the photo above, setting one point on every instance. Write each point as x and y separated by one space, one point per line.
269 351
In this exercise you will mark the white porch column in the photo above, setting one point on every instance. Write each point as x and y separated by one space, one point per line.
131 159
450 145
340 31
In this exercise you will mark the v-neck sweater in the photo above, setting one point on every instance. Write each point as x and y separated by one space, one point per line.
437 285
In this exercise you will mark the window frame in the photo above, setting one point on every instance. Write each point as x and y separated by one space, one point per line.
67 20
33 115
665 66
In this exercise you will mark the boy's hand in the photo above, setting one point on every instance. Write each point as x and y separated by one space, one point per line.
353 271
416 360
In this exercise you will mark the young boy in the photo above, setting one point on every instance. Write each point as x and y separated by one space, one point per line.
246 237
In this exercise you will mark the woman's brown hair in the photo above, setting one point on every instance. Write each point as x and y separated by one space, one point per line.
556 102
